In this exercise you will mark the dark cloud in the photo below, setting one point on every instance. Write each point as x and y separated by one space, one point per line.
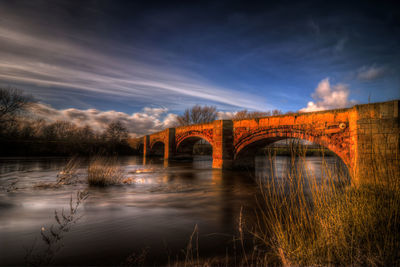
370 73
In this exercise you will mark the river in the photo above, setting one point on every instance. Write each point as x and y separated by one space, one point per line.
156 213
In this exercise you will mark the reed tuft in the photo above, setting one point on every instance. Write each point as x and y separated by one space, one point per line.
103 171
304 221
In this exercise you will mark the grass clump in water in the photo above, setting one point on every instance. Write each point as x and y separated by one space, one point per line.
103 171
68 175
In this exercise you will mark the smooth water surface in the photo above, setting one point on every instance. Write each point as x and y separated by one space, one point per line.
156 213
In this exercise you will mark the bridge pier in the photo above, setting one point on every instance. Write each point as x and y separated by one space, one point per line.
376 142
169 145
223 144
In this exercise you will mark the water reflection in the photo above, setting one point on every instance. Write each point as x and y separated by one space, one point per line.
158 211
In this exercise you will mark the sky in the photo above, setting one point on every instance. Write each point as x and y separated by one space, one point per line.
143 62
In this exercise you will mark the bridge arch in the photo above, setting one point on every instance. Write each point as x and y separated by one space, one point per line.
157 148
245 149
186 145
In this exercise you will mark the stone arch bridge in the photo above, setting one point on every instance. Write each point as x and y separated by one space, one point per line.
354 134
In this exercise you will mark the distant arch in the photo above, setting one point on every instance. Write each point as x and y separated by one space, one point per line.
193 134
157 148
186 145
140 148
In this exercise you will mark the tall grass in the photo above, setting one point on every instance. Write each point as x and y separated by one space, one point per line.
69 172
305 221
103 171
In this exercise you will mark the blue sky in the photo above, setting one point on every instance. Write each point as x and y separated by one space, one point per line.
126 56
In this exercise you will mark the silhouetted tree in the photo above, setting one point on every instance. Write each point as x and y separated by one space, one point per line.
197 114
275 112
116 132
245 114
12 101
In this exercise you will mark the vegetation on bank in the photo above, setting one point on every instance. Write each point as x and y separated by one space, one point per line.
326 222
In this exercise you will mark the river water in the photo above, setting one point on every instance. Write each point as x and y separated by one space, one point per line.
156 213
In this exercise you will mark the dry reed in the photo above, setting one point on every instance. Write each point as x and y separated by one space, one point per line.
104 171
304 221
69 173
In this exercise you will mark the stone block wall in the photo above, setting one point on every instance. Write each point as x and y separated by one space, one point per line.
223 144
377 142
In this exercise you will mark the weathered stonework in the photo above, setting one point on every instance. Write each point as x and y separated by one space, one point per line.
361 136
223 144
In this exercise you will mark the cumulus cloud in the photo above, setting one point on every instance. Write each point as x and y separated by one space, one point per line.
225 115
147 121
370 73
327 96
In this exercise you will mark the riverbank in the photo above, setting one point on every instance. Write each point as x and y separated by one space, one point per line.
48 148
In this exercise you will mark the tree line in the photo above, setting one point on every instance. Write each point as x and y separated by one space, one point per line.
20 134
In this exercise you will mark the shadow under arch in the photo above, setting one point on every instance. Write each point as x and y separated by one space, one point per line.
245 157
157 149
140 149
193 145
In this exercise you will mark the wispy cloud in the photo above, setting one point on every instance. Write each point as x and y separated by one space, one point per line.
368 73
147 121
327 96
98 66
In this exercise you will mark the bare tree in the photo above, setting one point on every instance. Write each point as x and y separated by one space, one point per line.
275 112
116 132
197 114
245 114
12 101
59 130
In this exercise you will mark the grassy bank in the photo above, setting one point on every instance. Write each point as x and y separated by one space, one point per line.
309 222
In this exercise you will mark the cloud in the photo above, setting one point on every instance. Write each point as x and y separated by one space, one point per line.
59 64
138 124
327 96
370 73
225 115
